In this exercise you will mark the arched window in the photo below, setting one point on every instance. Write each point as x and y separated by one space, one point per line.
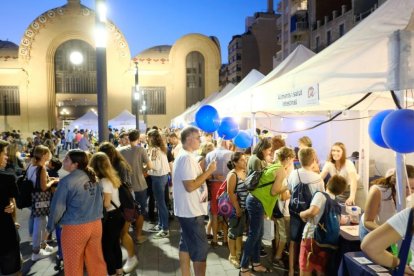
195 78
75 68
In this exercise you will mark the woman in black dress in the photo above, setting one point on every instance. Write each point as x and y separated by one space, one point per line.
9 250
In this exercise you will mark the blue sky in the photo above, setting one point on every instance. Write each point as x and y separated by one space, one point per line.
146 23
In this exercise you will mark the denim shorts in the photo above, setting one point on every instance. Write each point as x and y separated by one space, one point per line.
193 238
141 198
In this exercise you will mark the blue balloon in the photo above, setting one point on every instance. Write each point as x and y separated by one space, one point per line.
374 128
228 128
243 139
207 118
398 130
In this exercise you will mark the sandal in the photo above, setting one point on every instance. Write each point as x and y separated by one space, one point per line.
244 271
267 270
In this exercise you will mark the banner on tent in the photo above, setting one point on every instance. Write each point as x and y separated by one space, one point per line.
306 96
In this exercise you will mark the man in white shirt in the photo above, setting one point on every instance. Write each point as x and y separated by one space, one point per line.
190 203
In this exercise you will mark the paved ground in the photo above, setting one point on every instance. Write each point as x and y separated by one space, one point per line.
156 257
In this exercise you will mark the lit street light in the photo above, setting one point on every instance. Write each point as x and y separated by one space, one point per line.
101 74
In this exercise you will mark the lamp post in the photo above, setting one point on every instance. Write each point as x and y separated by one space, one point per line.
136 96
101 78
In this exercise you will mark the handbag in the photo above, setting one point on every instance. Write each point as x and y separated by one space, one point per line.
40 199
405 247
268 230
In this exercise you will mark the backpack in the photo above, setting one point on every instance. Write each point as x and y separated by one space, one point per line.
300 199
127 207
252 180
327 230
24 190
225 207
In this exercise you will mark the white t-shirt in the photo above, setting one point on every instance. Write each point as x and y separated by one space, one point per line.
387 206
399 223
108 188
188 204
311 178
345 171
319 201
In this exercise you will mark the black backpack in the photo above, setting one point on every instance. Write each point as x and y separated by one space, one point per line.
300 199
25 189
127 207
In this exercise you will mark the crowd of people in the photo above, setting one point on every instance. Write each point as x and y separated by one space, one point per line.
181 171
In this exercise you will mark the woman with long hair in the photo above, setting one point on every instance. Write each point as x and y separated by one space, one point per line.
381 202
236 189
37 173
157 153
260 157
113 221
10 263
124 172
338 164
77 207
260 202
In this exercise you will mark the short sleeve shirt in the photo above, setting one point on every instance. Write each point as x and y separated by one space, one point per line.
399 223
187 204
319 201
307 177
345 171
108 188
136 157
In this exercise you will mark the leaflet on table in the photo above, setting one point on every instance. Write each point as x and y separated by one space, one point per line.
362 260
378 268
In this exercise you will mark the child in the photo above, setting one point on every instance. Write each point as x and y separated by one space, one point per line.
53 167
311 256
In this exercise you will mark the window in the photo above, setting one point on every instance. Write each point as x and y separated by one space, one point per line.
195 82
10 100
341 30
328 38
155 99
71 77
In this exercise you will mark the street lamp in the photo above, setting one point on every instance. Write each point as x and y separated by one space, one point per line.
136 96
101 78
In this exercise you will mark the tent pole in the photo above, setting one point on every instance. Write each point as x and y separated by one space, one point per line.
253 126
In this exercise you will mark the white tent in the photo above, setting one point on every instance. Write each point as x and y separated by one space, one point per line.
126 120
88 121
228 102
226 105
188 115
370 58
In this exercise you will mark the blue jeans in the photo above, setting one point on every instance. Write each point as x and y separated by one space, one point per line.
251 249
39 229
158 189
193 238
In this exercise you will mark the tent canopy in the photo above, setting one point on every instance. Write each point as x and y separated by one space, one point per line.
363 60
126 120
88 121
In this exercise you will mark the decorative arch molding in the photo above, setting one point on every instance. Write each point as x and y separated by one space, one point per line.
59 14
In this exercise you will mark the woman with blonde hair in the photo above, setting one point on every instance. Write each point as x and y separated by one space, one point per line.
338 164
113 220
124 172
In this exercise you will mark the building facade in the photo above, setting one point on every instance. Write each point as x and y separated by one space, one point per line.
50 76
255 48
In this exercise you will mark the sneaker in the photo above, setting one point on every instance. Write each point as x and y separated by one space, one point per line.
141 239
263 253
154 229
162 234
49 249
41 255
130 265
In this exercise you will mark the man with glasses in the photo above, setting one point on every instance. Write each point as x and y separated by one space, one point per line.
190 203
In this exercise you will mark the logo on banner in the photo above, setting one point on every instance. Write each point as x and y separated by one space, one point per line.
306 96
